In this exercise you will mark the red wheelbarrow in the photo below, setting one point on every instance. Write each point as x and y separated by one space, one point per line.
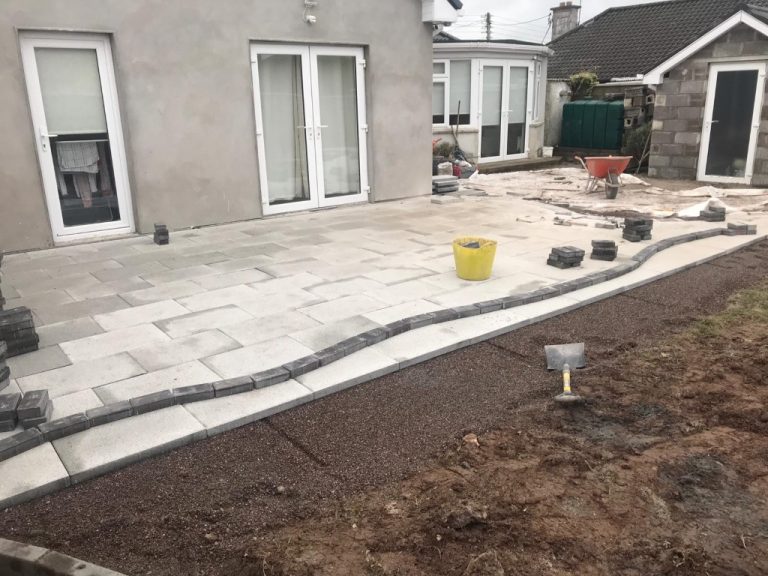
608 168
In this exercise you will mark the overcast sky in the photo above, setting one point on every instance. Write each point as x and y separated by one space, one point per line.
522 19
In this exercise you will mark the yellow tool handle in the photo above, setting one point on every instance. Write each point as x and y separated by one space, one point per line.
567 379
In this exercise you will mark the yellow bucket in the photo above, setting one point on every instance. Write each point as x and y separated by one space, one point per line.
474 263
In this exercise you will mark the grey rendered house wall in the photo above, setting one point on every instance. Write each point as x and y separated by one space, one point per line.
680 100
184 81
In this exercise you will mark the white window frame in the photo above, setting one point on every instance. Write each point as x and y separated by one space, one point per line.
308 54
706 132
445 79
101 45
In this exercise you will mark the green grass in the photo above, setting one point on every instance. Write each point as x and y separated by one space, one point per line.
747 306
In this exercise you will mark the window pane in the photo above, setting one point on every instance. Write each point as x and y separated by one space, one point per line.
282 107
71 88
438 103
461 90
490 144
337 81
518 110
438 68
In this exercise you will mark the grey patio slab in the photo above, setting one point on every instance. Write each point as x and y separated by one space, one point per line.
27 284
109 343
175 275
186 374
86 265
82 376
222 414
239 263
74 403
149 267
406 310
397 275
184 349
98 450
56 314
232 295
267 303
46 298
193 258
333 290
231 279
168 291
192 323
145 314
419 345
52 334
257 357
269 327
40 361
107 288
359 367
320 337
31 474
405 292
342 308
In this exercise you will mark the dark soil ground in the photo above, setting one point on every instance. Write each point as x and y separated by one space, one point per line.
463 465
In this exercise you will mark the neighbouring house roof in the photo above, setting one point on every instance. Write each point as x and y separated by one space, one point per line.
445 38
629 41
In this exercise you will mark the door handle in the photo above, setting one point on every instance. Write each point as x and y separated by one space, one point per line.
44 139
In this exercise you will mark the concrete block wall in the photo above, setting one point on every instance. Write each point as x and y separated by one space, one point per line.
679 114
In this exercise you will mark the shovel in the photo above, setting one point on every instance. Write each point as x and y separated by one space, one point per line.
565 357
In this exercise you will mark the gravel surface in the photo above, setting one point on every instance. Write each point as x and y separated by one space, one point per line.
194 510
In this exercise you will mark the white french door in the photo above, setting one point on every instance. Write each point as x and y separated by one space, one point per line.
76 119
506 109
731 122
310 126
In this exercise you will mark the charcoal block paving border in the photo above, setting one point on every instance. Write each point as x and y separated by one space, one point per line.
28 439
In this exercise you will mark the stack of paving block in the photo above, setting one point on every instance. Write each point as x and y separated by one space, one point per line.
713 213
740 229
566 257
5 372
17 329
605 250
34 409
8 406
161 234
444 184
636 229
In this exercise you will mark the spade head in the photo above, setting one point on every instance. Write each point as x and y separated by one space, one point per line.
569 399
571 354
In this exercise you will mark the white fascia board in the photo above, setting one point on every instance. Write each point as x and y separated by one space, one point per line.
656 76
438 12
478 49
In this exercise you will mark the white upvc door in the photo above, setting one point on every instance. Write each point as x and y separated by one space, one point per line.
506 109
731 122
79 138
311 126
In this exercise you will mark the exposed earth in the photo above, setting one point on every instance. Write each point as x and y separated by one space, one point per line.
464 466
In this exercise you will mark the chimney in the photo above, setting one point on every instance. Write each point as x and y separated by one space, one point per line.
564 19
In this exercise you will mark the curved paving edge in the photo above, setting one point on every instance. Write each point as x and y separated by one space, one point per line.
63 427
18 559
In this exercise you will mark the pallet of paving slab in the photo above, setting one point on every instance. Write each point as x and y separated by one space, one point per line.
35 408
740 229
712 215
605 250
564 257
8 417
17 329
